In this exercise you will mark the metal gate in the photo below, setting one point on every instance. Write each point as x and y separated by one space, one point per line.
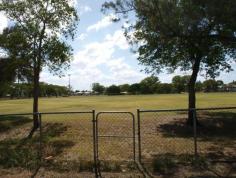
115 140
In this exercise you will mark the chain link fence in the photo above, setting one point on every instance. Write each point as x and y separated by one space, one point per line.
115 133
216 140
19 154
169 145
108 144
67 144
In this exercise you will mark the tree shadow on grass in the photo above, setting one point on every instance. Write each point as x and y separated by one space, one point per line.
173 165
27 155
218 124
11 122
53 150
214 125
175 129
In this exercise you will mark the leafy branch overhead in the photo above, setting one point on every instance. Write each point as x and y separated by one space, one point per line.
43 24
181 34
174 33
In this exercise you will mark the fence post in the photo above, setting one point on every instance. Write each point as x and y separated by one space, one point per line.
94 144
195 131
40 138
134 138
139 136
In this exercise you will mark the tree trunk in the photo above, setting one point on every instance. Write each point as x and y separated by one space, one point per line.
35 101
37 69
191 91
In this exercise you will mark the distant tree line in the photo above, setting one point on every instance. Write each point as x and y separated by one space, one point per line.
25 90
152 85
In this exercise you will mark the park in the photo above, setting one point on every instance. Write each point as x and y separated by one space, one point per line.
67 136
111 88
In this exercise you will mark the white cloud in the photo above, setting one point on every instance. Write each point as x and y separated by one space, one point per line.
84 9
82 37
118 39
103 23
96 63
3 21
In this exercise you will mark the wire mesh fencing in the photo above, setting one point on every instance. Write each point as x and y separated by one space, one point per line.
217 133
173 143
216 139
178 141
19 153
115 132
164 136
67 144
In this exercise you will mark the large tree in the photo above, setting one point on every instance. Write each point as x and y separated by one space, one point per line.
180 83
44 24
188 35
97 87
149 85
12 67
14 61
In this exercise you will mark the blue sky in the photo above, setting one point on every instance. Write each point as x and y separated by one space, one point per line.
102 54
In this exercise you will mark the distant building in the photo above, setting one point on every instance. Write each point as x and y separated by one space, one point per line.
230 88
83 93
227 88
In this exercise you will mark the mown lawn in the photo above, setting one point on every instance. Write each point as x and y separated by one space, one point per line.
67 147
127 103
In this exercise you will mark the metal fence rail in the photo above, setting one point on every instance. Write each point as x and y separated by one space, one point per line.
164 136
16 150
95 144
115 140
67 141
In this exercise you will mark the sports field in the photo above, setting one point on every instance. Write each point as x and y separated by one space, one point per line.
166 141
126 103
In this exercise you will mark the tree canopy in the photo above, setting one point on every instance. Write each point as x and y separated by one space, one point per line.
44 24
96 87
188 35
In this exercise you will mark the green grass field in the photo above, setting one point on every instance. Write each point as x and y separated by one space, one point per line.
67 149
127 103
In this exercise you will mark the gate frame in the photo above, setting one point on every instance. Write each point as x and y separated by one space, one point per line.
92 119
96 146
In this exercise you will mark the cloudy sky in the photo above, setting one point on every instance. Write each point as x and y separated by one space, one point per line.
101 53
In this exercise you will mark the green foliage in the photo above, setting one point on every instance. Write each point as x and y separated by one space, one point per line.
124 87
16 63
25 90
134 88
44 24
148 85
96 87
180 83
165 88
210 85
188 35
26 156
199 86
163 164
172 34
113 90
40 25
